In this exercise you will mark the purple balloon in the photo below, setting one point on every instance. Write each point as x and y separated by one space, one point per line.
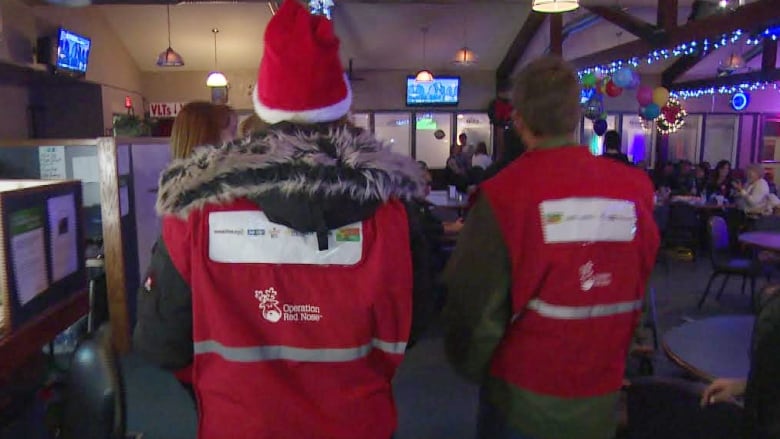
644 95
635 80
600 127
651 111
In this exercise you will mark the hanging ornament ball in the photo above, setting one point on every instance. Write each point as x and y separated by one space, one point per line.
623 77
588 80
644 95
599 127
651 111
593 108
603 115
660 96
613 90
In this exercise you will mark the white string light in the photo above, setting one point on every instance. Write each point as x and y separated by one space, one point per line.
702 47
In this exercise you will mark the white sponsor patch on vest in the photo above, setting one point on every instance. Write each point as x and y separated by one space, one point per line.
588 220
249 237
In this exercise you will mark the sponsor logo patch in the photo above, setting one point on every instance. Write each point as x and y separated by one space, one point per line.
274 311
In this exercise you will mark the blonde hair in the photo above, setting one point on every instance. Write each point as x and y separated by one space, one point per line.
547 97
197 124
252 124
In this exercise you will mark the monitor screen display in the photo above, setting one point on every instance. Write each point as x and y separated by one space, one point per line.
72 51
440 91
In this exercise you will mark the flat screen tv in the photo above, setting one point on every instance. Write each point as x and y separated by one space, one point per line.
72 52
442 91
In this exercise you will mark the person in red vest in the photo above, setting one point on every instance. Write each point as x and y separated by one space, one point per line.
290 274
546 284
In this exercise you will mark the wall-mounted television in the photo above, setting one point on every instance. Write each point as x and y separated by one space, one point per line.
65 52
72 51
442 91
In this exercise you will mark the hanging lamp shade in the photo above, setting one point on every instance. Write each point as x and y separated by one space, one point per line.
555 6
424 76
216 79
731 63
465 57
169 57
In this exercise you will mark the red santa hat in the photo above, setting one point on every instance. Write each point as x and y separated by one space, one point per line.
301 78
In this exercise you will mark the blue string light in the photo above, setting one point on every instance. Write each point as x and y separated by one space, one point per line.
689 48
726 89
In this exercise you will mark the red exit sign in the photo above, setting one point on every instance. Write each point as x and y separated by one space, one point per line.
164 109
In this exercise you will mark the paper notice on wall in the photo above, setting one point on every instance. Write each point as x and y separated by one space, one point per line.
28 253
85 168
64 240
52 162
124 201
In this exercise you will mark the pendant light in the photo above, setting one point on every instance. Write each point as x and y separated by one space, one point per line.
424 75
216 78
169 57
465 56
555 6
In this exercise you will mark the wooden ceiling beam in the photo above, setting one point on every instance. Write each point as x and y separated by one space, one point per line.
626 21
731 80
751 17
667 14
769 55
518 47
556 34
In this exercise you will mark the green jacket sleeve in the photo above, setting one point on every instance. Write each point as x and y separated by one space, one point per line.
479 306
163 332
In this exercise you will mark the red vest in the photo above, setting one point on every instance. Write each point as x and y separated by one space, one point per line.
287 349
582 243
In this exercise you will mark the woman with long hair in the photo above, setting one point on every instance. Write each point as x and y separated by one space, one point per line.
721 180
200 124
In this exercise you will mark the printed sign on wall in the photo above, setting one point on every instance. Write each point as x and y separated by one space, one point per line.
164 109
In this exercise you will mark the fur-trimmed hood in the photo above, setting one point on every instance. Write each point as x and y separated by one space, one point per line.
333 167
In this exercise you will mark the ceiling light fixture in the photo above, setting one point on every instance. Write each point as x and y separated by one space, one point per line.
169 57
465 56
424 75
555 6
216 78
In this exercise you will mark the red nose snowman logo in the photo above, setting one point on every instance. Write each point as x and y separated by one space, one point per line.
269 304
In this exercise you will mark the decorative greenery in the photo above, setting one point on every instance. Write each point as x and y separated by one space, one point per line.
672 117
130 125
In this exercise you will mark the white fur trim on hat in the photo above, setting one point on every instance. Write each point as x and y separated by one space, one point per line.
325 114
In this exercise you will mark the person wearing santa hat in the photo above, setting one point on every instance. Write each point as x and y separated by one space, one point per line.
290 275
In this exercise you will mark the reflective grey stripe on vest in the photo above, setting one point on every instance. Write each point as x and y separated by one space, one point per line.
269 353
582 312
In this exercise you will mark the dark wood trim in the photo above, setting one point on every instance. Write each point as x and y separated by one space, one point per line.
770 76
751 17
769 55
556 34
619 17
19 345
754 151
112 243
679 68
519 45
667 14
687 366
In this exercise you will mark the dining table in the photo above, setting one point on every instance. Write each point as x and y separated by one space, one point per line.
711 348
761 240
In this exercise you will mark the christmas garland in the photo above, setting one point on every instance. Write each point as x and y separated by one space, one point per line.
672 117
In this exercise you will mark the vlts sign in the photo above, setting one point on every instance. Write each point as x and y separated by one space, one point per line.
164 109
